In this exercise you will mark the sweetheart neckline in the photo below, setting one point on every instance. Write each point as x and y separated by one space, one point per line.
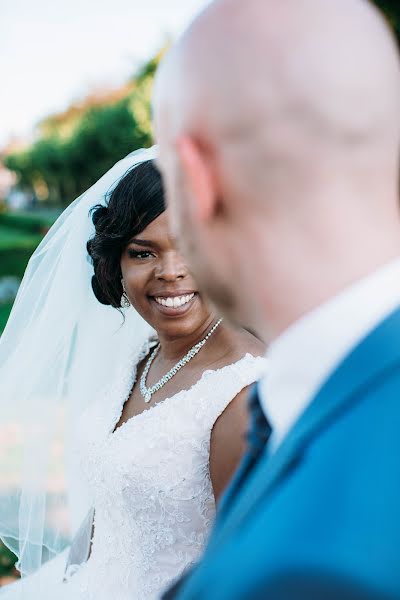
114 431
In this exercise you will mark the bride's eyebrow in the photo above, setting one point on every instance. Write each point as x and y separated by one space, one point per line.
140 242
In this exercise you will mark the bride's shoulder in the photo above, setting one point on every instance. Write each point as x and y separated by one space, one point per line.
244 343
252 344
245 360
241 361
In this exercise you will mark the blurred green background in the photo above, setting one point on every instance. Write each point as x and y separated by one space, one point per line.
72 150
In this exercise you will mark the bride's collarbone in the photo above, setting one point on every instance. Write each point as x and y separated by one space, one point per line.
185 379
135 404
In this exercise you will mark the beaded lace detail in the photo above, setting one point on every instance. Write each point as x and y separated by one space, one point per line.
150 482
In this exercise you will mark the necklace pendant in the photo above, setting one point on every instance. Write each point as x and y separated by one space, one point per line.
147 393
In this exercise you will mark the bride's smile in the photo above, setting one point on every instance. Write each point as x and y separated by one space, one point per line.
174 304
159 285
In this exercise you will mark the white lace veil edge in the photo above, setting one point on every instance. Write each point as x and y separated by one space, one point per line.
59 347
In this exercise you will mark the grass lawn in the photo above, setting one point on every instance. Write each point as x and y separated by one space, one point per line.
5 310
30 222
14 261
16 247
15 239
20 234
7 561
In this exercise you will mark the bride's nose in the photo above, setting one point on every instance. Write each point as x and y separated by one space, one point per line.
171 267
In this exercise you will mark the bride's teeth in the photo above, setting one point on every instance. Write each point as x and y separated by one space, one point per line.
174 302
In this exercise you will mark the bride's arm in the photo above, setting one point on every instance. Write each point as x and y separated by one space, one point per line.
228 442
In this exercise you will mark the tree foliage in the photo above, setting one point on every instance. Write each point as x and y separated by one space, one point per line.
76 148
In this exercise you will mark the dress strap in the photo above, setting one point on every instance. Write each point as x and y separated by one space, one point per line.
218 388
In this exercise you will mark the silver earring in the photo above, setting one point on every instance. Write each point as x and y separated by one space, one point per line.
125 302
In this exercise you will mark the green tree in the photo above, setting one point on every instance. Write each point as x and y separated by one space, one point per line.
76 148
105 135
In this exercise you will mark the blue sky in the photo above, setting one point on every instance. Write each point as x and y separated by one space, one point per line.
53 52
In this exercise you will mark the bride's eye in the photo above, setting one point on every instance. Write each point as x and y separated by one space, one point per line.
140 254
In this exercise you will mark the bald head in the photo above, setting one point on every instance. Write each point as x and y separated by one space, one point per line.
272 74
283 116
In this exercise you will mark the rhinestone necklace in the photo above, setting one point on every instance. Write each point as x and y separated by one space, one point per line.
148 392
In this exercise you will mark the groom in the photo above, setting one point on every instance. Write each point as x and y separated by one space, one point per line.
279 130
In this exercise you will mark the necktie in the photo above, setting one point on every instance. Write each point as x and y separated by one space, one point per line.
259 430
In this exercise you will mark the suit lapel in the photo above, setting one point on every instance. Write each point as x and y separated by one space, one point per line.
369 361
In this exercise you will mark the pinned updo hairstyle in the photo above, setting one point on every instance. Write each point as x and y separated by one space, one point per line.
134 203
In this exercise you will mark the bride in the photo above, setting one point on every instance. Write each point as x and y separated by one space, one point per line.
132 375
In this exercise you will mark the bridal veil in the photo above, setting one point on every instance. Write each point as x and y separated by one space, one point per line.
59 347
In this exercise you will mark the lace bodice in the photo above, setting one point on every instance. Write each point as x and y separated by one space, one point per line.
149 483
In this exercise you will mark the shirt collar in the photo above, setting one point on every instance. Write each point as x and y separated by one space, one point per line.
302 358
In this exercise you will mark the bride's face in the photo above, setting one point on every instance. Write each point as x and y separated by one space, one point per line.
159 285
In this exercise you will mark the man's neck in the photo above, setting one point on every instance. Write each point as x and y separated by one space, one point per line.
303 289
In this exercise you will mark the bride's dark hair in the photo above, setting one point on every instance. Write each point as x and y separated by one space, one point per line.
133 204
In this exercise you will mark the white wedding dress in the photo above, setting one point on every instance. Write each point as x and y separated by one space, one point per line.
150 486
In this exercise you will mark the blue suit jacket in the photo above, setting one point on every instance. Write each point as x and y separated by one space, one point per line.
320 518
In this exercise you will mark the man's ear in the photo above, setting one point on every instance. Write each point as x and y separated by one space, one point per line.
198 178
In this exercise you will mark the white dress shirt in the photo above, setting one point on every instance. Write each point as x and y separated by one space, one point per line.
302 358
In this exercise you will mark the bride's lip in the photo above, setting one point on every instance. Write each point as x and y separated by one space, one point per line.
171 311
173 293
